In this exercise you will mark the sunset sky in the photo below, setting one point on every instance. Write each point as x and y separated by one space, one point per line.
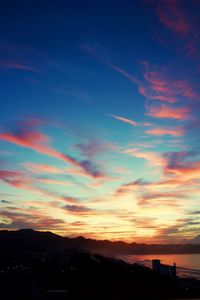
100 118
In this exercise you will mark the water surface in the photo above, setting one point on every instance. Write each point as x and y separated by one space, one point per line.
188 265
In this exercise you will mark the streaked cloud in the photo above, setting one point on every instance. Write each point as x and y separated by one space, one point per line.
42 168
39 142
173 131
125 120
17 66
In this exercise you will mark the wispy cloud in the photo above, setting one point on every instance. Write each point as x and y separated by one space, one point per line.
53 181
42 168
17 66
125 120
153 158
92 52
173 17
166 199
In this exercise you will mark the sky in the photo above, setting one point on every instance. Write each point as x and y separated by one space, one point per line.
100 118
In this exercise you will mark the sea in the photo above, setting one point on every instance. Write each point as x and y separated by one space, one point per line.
188 265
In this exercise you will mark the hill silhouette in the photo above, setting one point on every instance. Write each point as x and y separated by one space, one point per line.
28 239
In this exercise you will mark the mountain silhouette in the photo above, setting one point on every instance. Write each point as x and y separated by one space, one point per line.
29 239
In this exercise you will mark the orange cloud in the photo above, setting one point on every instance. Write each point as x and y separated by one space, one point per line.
159 131
165 111
189 170
161 198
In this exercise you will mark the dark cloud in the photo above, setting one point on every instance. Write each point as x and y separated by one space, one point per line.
5 201
77 208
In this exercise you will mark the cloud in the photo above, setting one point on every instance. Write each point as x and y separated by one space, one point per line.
156 84
164 197
77 209
179 164
130 186
173 131
37 141
53 181
70 200
94 53
5 201
42 168
168 112
125 120
15 178
161 86
16 66
124 73
195 212
94 147
173 17
153 158
36 220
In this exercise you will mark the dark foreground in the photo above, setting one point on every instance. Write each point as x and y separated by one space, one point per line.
35 276
33 267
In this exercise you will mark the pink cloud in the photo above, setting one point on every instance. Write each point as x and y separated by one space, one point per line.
165 111
125 120
173 17
147 92
157 85
159 131
42 168
15 178
53 181
184 88
39 142
160 86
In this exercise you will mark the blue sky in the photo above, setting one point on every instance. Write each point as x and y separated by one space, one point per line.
100 118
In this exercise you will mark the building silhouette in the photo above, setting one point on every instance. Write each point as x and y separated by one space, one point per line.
164 269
